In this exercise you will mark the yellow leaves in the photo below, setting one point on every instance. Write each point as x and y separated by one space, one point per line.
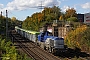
40 17
13 18
74 36
61 18
71 12
77 43
81 29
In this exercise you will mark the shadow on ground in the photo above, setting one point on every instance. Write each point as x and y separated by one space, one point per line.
71 53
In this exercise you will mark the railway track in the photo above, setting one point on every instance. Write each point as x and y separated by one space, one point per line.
32 50
29 52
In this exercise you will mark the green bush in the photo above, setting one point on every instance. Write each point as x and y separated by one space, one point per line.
8 51
74 19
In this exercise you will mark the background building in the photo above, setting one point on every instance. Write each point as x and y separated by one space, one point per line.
80 17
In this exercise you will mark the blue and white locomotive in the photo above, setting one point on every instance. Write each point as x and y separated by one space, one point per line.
43 39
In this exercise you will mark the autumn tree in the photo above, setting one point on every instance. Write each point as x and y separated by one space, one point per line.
70 13
2 24
38 19
33 22
57 12
52 13
13 18
79 37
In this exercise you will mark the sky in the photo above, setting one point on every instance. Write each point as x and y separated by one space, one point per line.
23 8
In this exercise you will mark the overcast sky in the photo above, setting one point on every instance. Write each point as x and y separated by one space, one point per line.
23 8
